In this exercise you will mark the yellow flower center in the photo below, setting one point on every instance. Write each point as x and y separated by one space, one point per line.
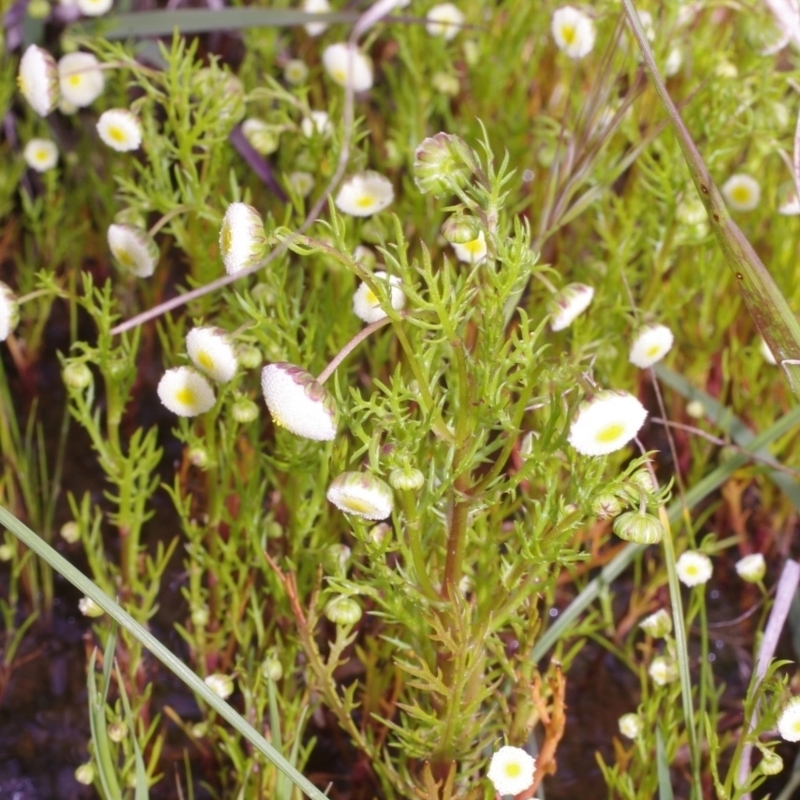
125 257
610 432
339 75
513 769
117 134
691 570
568 33
365 201
226 238
185 396
357 505
205 361
653 350
740 194
474 247
371 298
74 80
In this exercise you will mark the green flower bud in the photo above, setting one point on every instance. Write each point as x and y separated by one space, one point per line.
77 376
335 558
446 83
442 162
200 616
117 731
343 610
244 410
249 357
38 9
634 526
606 506
70 532
657 625
460 229
643 480
406 479
6 552
222 685
198 457
85 773
771 763
271 668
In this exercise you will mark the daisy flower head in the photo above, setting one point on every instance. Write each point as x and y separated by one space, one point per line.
471 252
367 306
317 123
298 402
511 770
316 7
741 192
694 568
663 670
361 494
9 311
606 422
41 154
751 568
212 353
573 32
789 721
120 130
301 182
790 208
444 19
94 8
630 725
657 625
38 80
185 392
566 306
364 194
134 250
242 239
348 66
295 71
650 345
80 78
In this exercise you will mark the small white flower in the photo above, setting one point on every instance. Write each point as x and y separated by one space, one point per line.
364 194
94 8
9 311
606 423
263 137
361 494
241 238
511 770
38 80
651 344
695 409
657 625
80 78
301 182
751 568
767 353
211 352
185 392
40 154
789 721
471 252
89 608
663 670
694 568
133 249
791 208
674 62
317 123
346 64
316 7
630 725
565 307
120 130
445 20
295 71
366 304
298 402
220 684
741 192
573 32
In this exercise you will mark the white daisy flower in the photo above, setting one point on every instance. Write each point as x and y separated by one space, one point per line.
185 392
9 311
40 154
316 7
663 670
751 568
694 568
94 8
38 80
120 130
606 423
80 78
367 306
741 192
573 32
651 344
445 20
133 249
471 252
767 354
295 71
569 304
364 194
298 402
222 685
630 725
212 353
791 208
789 721
89 607
361 494
348 65
241 238
263 137
317 123
657 625
301 182
511 770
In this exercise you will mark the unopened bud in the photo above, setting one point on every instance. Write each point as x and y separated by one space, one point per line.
606 506
244 410
343 611
84 774
406 479
77 375
117 731
634 526
460 229
442 162
70 532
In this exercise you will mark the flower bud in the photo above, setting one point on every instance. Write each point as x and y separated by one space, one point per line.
657 625
77 376
442 162
242 239
663 670
133 249
460 229
630 725
70 532
38 80
751 568
406 479
85 774
9 311
343 611
634 526
771 763
335 558
221 684
6 552
569 304
198 457
200 616
643 481
244 410
606 506
262 137
361 494
89 607
117 731
526 445
271 668
249 356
